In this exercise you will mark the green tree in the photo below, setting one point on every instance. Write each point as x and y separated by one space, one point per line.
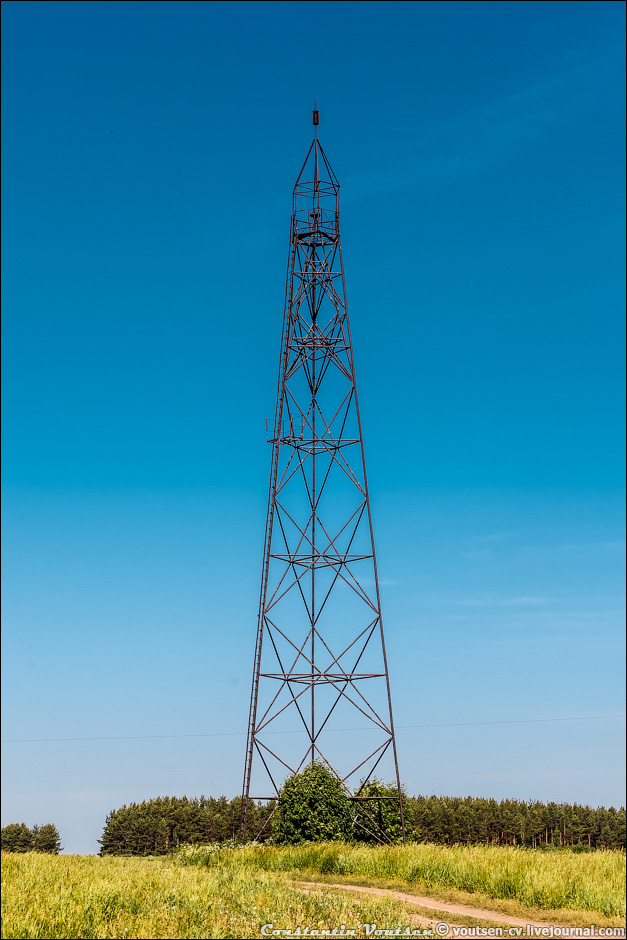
16 837
160 825
117 837
313 807
375 819
46 839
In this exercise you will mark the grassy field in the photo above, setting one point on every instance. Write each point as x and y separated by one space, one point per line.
55 896
592 881
47 896
225 892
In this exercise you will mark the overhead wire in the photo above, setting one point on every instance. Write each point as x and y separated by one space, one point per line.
226 734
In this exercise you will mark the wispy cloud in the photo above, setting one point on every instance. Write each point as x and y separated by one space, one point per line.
491 600
486 546
494 537
603 546
488 133
483 546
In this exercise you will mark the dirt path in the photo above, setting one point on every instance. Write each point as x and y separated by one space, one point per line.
432 904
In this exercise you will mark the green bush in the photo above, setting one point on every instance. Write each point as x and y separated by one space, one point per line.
312 808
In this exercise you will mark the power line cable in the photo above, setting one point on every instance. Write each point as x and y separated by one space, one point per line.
228 734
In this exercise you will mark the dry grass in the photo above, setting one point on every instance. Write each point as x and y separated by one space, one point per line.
593 882
47 896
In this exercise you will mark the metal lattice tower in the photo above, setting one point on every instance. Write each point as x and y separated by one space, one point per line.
320 670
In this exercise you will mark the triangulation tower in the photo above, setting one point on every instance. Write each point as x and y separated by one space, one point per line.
320 688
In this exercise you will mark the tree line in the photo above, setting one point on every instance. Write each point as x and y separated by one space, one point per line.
472 820
154 827
17 837
157 826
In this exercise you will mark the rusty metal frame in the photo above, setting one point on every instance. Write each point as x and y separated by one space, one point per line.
316 344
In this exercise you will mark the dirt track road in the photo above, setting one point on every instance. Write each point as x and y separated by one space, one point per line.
444 907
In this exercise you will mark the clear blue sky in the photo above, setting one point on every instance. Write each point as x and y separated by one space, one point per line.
150 150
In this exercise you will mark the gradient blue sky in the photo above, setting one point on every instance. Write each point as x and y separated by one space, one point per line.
150 150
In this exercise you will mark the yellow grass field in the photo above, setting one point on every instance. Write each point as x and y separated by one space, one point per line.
548 881
213 892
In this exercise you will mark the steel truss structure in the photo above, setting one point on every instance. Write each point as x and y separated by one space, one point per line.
320 688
